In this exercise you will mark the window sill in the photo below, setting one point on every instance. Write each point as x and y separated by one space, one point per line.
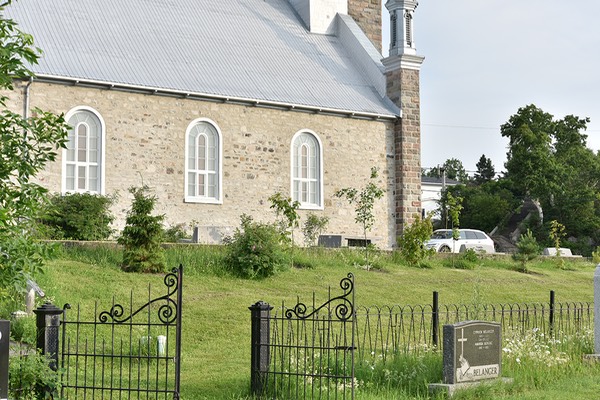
202 200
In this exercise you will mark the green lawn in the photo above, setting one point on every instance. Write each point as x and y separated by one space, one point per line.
216 319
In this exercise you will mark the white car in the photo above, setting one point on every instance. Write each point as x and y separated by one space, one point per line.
442 241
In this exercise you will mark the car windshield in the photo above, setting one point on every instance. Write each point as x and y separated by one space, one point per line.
442 235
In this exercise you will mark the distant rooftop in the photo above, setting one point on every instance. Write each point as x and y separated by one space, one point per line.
248 49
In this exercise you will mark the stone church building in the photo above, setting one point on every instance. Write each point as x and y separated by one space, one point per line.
218 104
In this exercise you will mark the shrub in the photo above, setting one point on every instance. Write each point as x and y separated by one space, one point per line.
255 250
141 238
470 255
28 373
175 233
77 216
527 250
312 228
23 329
412 241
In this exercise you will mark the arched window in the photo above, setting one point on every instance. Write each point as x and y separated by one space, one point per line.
307 170
203 162
83 159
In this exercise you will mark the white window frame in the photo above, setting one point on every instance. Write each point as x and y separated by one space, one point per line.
101 156
319 167
219 163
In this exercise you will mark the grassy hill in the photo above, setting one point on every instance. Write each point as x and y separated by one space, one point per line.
216 319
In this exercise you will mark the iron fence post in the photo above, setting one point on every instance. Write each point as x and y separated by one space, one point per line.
48 323
178 321
435 319
260 354
551 325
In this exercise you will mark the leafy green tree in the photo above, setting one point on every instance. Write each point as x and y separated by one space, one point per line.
549 161
453 168
485 170
530 166
484 206
27 145
411 243
286 209
312 228
364 201
142 236
454 209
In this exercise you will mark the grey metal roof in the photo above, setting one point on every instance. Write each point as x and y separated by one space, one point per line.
250 49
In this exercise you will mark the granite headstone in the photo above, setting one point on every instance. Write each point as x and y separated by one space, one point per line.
472 351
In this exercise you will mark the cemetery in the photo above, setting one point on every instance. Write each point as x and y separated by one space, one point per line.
395 336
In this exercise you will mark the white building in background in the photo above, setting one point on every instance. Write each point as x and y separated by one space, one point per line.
431 192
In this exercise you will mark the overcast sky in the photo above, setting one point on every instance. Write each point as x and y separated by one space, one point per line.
486 58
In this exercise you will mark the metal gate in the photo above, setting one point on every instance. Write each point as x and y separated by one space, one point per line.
305 352
126 352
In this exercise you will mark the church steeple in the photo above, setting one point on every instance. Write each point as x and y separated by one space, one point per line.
401 26
402 69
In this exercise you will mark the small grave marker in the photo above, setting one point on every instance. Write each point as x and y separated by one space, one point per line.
472 351
472 354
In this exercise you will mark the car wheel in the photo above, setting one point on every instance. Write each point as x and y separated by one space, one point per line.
444 249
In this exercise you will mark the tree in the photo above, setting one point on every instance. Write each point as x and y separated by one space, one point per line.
364 200
142 236
548 160
412 242
527 250
27 145
485 170
288 210
312 228
453 168
484 206
530 165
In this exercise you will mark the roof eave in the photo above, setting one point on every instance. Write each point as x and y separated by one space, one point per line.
46 78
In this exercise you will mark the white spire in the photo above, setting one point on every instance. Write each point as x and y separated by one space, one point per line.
401 27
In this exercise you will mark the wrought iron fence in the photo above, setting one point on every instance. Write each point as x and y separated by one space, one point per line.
124 352
305 351
385 330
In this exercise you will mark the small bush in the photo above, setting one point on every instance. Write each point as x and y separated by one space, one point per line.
470 255
175 233
142 236
23 330
312 228
28 373
255 250
77 216
412 241
528 249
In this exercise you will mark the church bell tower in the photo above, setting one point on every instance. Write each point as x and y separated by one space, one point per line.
402 68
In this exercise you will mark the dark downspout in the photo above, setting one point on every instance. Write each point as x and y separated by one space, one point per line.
26 99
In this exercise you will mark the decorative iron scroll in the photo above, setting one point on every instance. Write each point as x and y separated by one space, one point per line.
343 310
167 313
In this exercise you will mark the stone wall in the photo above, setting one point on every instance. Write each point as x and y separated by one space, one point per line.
367 14
145 145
